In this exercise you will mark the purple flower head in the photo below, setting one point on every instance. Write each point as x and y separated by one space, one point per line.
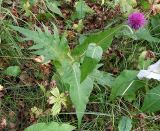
136 20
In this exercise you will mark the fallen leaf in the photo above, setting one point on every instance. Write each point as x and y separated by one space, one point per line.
3 123
11 114
1 87
26 79
39 59
155 6
12 125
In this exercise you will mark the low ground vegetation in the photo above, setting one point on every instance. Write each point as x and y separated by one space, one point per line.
89 65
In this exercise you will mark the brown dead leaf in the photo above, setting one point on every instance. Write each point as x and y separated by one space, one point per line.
32 119
150 55
12 125
39 59
155 6
11 114
141 116
35 9
1 87
46 69
52 83
156 9
14 12
30 43
21 104
115 70
3 62
26 79
3 123
71 35
157 1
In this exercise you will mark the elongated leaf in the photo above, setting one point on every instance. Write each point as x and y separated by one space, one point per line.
92 57
102 39
53 126
144 34
88 65
125 124
82 8
123 83
79 92
54 8
48 45
151 100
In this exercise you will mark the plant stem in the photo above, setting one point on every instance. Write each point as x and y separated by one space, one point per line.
146 86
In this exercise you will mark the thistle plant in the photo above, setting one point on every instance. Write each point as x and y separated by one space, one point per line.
136 20
77 67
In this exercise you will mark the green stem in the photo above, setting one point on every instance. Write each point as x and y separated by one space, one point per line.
146 86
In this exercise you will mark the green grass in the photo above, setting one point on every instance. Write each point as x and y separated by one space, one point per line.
101 114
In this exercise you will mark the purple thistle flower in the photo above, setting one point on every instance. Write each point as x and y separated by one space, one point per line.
136 20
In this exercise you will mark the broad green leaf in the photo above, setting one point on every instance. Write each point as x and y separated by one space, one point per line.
151 100
144 34
127 5
123 83
125 124
82 8
48 45
52 5
92 56
103 78
141 34
88 65
130 94
102 39
13 71
94 52
53 126
155 23
79 91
